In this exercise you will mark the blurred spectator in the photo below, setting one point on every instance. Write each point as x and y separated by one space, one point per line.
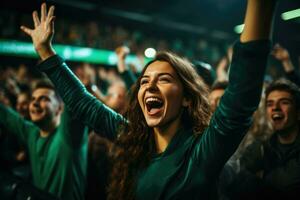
205 71
48 131
216 93
273 163
23 101
282 55
69 31
223 66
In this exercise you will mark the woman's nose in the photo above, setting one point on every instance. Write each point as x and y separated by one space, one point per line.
152 85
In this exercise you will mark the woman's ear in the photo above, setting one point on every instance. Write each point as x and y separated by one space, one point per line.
186 102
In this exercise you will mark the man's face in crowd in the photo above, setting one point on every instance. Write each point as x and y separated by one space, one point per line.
116 97
281 110
22 106
44 105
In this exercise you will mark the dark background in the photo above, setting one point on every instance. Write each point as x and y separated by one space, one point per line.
212 19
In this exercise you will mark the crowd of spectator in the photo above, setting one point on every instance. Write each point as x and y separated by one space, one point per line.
102 35
19 80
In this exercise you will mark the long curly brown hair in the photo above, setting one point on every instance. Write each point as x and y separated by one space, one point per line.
137 140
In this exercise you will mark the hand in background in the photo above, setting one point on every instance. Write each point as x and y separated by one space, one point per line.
122 52
283 56
222 69
280 53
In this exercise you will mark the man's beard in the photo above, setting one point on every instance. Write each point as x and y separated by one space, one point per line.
43 122
286 131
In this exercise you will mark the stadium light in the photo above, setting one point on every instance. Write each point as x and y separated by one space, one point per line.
290 14
150 53
239 28
71 53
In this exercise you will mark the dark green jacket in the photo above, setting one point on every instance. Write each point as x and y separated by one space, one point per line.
280 167
190 165
59 161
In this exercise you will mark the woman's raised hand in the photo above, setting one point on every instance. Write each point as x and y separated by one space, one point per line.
43 31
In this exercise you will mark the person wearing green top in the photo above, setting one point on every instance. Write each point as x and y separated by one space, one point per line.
171 146
56 143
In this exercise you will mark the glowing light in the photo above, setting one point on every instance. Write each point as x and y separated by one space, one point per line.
67 53
150 52
72 53
239 28
291 14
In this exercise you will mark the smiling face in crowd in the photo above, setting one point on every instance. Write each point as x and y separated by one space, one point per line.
43 106
281 110
161 94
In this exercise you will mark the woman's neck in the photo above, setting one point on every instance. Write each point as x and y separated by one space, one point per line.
163 135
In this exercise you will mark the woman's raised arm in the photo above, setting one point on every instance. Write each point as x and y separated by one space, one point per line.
82 104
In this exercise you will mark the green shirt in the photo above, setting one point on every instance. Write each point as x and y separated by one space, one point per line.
189 167
59 161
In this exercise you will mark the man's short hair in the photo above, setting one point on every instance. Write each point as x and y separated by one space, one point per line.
283 84
45 83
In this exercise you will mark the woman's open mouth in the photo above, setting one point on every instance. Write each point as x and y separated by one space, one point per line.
154 105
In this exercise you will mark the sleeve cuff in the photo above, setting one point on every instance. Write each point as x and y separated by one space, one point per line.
257 46
50 63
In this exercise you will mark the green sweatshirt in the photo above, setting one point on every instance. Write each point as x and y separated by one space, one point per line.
59 161
189 167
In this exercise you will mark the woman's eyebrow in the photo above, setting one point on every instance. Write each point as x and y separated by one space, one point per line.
145 76
165 73
159 74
